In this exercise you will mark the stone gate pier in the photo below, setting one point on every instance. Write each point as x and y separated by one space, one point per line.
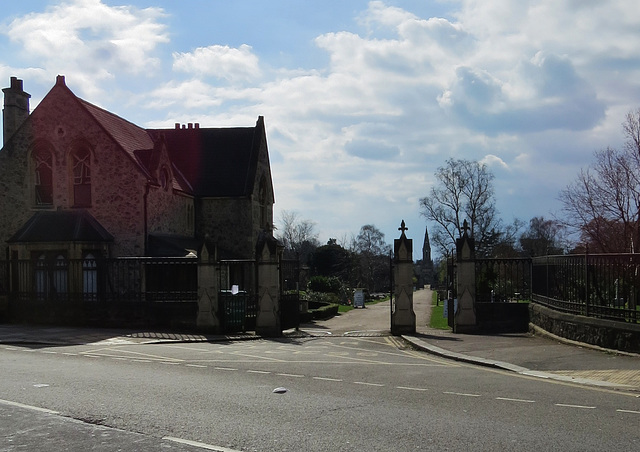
403 318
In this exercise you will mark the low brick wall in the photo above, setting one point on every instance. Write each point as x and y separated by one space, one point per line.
615 335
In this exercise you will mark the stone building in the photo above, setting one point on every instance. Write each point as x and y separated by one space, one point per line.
78 182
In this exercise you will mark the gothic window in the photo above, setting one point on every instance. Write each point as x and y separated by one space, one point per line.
82 178
89 277
43 177
50 276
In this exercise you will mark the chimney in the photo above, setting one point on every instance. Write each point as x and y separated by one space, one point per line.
16 108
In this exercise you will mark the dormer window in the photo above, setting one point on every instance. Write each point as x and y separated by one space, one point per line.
43 177
82 178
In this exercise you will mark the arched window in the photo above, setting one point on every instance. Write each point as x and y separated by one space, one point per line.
60 275
164 178
43 177
82 178
89 278
40 277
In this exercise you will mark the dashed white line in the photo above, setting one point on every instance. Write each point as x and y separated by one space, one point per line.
225 368
508 399
628 411
291 375
198 444
327 379
200 366
407 388
49 352
367 384
461 394
263 372
568 405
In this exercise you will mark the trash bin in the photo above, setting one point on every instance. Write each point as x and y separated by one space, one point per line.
233 307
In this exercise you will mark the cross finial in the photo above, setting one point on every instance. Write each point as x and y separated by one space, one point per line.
402 227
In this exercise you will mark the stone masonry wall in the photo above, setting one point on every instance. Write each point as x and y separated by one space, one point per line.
609 334
60 125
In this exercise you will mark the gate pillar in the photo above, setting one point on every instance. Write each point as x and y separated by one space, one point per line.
465 315
267 258
208 289
403 318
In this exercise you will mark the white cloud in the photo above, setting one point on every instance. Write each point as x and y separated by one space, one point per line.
219 61
91 40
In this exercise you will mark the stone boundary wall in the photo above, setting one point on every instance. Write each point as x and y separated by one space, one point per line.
604 333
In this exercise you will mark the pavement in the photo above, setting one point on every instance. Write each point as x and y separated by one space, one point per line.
537 354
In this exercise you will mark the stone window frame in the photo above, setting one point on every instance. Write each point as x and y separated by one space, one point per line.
42 163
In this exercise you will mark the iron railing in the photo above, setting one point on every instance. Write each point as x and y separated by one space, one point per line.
598 285
503 280
109 280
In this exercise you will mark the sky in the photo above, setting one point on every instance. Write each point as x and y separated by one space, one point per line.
363 100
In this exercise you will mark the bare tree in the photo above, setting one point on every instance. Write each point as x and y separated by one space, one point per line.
464 192
374 257
603 203
543 237
298 236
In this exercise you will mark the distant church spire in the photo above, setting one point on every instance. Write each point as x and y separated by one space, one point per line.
427 264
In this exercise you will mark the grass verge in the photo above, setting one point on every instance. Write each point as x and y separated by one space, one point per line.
437 320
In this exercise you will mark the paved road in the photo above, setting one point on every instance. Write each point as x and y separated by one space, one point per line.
342 393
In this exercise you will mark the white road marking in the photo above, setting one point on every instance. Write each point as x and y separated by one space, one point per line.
515 400
411 389
568 405
327 379
200 366
367 384
258 372
28 407
49 352
291 375
628 411
461 394
225 368
198 444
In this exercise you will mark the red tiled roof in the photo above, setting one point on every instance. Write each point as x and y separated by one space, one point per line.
129 136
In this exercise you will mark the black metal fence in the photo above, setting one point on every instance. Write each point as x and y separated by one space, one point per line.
503 280
101 291
598 285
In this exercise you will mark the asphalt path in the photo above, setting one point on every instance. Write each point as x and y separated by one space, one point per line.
339 393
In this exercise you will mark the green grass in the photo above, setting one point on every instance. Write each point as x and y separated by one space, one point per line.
437 320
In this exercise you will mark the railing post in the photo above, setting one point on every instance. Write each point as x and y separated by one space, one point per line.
586 282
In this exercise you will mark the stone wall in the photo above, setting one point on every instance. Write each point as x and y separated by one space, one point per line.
615 335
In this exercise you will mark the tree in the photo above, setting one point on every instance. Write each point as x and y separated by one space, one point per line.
603 203
297 236
332 260
464 191
542 238
374 258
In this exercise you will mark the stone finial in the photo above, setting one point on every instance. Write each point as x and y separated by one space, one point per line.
402 227
465 227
